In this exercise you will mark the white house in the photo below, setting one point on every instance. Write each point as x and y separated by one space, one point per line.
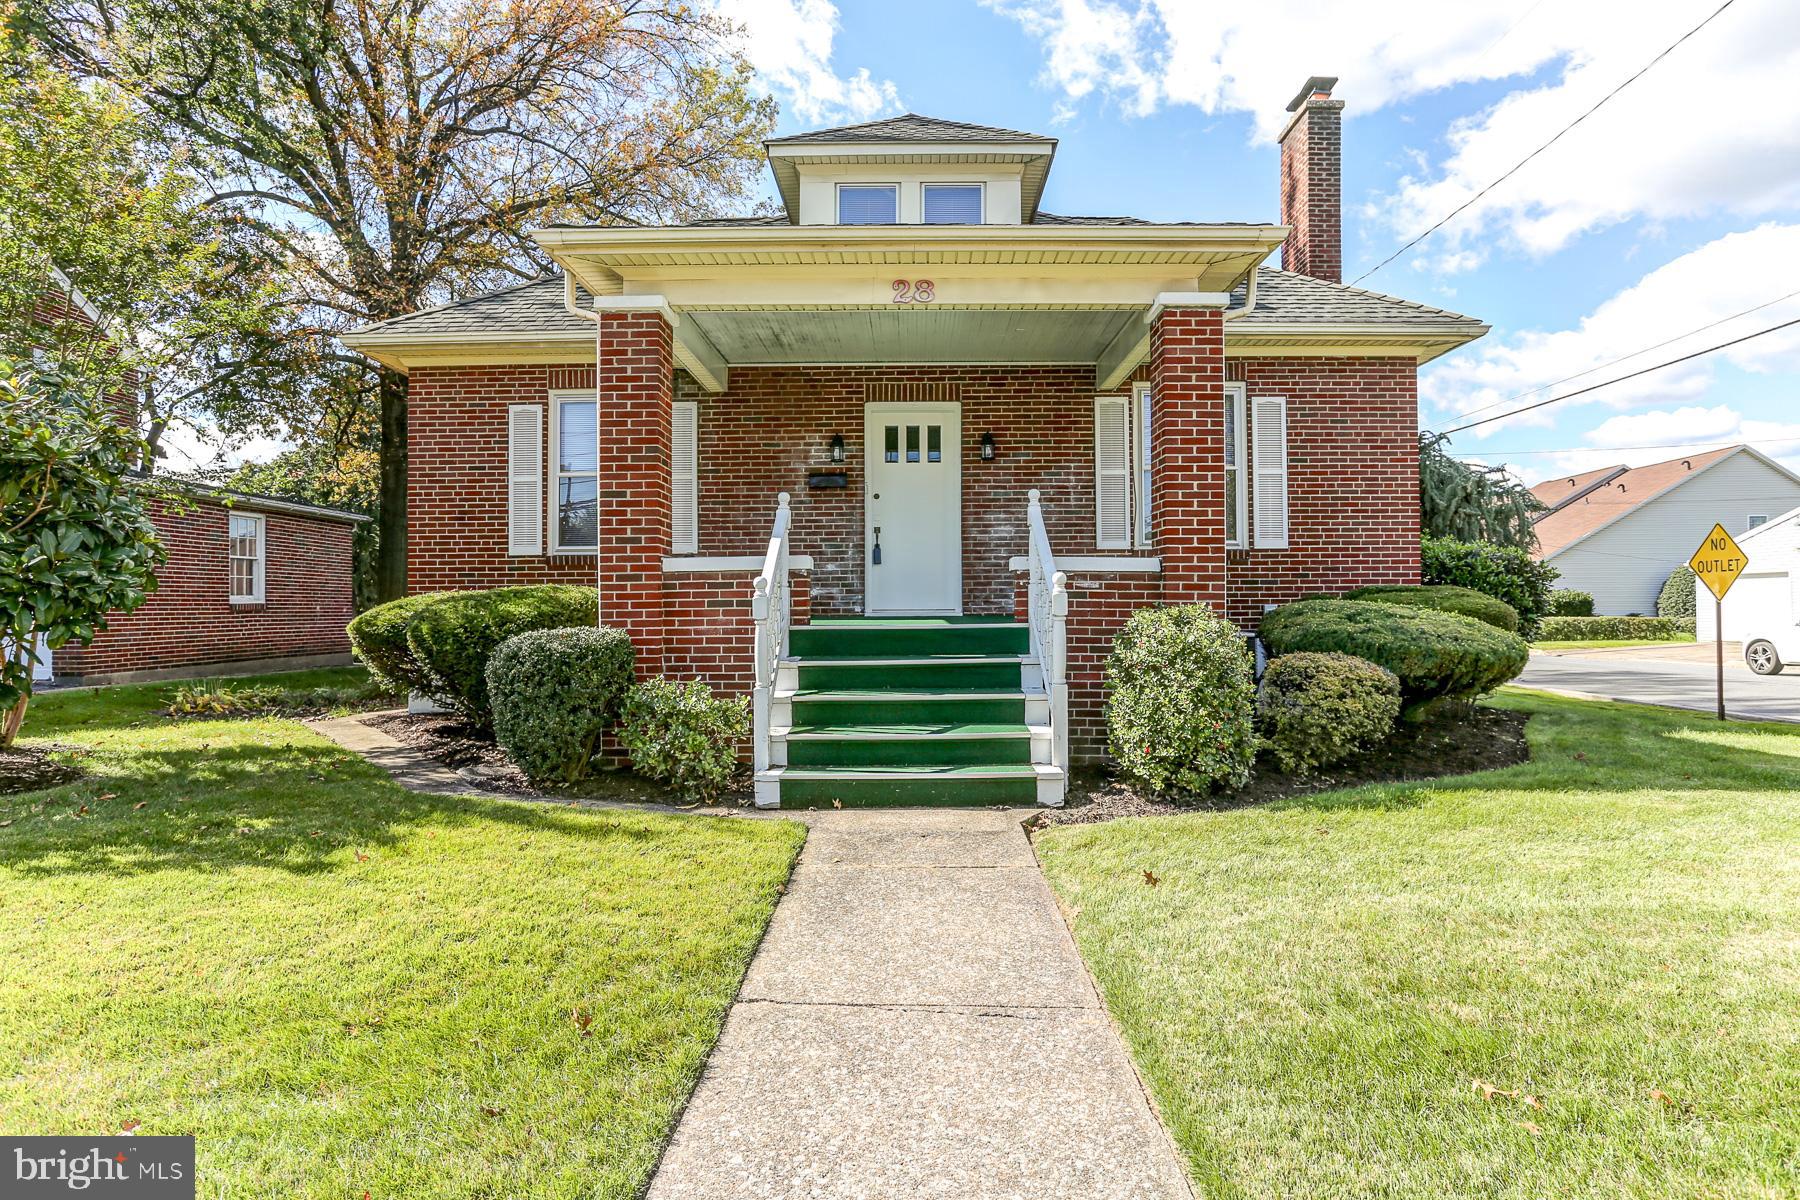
1619 531
1764 603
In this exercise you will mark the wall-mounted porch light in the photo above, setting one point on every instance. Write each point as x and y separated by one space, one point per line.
987 447
837 447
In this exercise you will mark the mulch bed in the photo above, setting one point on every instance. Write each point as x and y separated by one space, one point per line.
473 753
30 768
1483 740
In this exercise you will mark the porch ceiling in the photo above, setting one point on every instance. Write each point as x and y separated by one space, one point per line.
914 335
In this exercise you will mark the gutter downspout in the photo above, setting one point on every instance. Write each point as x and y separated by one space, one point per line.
593 318
1249 298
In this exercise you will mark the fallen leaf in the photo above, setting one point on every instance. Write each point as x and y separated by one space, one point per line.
1532 1102
107 796
837 803
4 824
582 1019
1150 878
361 857
1530 1128
81 810
128 1127
1580 757
138 805
1488 1091
1659 1094
491 1112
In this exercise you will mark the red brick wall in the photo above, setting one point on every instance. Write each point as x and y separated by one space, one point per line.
190 620
1187 453
636 380
710 629
1312 191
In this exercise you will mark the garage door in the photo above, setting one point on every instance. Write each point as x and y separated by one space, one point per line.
1757 605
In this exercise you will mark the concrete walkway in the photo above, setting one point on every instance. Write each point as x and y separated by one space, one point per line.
917 1024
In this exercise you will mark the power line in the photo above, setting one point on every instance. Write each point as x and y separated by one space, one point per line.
1559 135
1626 357
1594 387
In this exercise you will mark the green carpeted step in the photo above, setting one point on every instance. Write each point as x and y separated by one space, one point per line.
908 745
880 639
910 675
878 787
857 707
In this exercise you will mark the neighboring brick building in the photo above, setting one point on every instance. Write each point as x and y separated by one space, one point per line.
910 353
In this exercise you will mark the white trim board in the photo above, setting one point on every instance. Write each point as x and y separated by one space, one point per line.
728 564
1098 564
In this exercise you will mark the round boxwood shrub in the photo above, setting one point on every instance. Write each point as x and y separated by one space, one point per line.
379 638
1317 709
1677 596
1436 655
1567 602
1503 572
682 735
554 692
1181 698
1445 597
453 638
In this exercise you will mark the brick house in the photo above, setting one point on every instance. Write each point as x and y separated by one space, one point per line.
250 583
899 461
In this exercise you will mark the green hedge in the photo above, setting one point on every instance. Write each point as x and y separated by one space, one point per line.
1503 572
682 735
1436 655
379 638
1181 697
1318 709
1567 602
1677 596
1465 602
453 638
1610 629
554 692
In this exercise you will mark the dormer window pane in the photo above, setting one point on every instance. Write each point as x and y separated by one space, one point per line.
868 204
952 204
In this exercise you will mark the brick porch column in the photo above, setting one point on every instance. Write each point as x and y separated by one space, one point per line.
1187 459
636 383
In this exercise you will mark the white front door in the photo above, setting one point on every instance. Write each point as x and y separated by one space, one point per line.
912 561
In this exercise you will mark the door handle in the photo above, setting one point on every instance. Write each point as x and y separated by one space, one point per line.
875 560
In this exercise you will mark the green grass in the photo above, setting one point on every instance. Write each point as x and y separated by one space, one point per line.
237 930
1313 988
1686 639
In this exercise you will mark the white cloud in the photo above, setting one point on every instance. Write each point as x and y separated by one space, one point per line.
1646 437
789 42
187 449
1722 278
1713 128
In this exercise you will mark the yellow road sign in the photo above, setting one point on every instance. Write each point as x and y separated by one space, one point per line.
1718 562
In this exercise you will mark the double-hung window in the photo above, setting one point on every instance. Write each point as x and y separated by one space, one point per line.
574 474
247 556
868 204
951 203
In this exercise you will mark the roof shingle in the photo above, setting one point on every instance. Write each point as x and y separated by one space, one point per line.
912 127
1615 493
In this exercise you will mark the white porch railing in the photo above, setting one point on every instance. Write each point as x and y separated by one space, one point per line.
1048 594
771 607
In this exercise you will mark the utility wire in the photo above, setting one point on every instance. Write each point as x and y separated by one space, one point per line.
1594 387
1559 135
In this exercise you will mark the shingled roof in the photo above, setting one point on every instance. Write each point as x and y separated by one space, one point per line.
1287 298
524 310
912 127
1591 501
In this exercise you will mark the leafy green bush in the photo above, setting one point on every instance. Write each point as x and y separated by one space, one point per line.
554 692
682 735
1608 629
224 698
1181 698
453 638
1466 602
1503 572
1318 709
1567 602
1684 625
1437 656
379 638
1677 596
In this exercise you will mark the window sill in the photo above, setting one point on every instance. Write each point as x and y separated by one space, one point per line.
238 603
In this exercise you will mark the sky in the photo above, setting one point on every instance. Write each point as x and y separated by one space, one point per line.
1675 206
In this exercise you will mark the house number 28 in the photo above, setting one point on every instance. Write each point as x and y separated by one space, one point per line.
914 291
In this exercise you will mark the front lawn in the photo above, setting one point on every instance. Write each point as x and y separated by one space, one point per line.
1320 992
235 929
1686 639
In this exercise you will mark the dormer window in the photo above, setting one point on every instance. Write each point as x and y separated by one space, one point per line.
952 203
868 204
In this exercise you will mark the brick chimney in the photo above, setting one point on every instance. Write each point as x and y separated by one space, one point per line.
1312 184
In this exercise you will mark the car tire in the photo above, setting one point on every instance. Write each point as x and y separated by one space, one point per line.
1760 657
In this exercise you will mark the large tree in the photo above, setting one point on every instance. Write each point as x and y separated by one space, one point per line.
394 152
1470 502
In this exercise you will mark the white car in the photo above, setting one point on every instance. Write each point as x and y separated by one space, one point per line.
1768 655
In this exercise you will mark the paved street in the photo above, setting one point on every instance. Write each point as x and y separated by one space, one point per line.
1679 676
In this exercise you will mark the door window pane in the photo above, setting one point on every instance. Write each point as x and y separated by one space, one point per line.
868 204
934 443
912 443
952 204
892 444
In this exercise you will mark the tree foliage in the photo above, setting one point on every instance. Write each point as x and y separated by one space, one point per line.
76 542
1472 503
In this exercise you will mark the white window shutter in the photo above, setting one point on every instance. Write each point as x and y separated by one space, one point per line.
1112 473
684 473
525 479
1269 471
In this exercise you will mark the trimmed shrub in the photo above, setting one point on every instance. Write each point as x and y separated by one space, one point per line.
682 735
1437 656
1503 572
1677 596
379 638
453 638
1567 602
1181 700
554 692
1684 625
1609 629
1465 602
1318 709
